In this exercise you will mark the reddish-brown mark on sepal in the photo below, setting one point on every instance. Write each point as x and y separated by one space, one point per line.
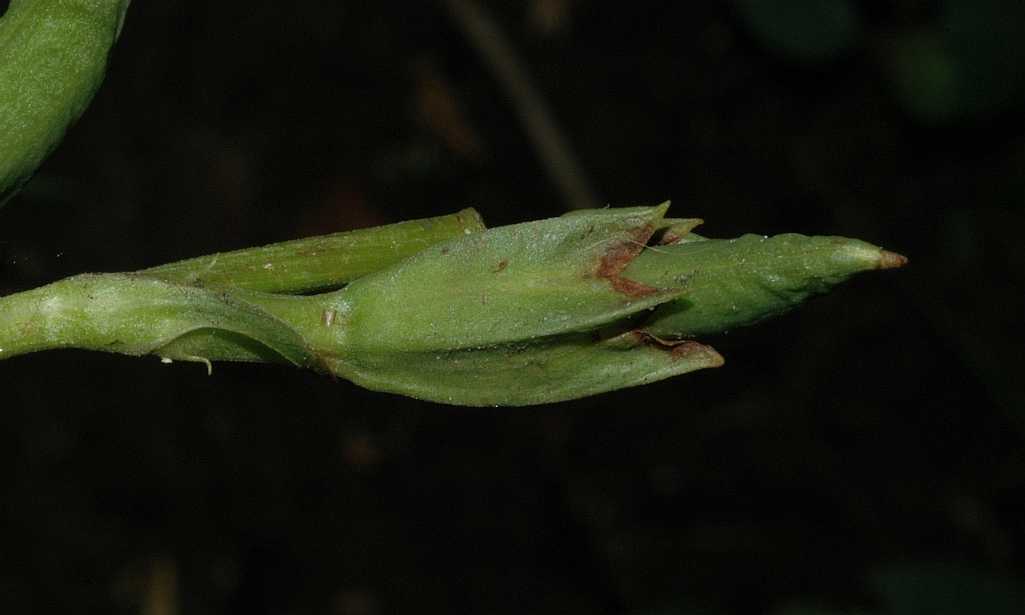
616 258
689 348
678 349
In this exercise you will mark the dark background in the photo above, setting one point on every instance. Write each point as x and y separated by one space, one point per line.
863 454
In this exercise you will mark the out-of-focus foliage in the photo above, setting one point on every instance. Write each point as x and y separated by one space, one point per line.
804 30
53 54
937 589
962 59
965 62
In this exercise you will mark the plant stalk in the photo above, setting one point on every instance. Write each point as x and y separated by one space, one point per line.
318 263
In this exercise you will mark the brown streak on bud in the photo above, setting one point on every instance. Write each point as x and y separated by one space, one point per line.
615 260
688 348
679 349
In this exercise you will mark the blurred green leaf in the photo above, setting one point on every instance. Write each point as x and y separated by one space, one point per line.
804 30
53 55
816 610
935 589
926 77
968 62
947 589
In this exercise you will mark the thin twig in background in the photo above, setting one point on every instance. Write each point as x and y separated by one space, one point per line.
552 146
161 596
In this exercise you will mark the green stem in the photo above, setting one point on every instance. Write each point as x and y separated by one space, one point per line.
96 312
177 311
318 263
134 315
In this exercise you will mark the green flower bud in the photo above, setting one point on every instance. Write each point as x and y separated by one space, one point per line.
524 314
573 306
738 282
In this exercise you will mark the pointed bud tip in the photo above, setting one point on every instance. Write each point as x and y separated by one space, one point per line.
891 260
857 255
